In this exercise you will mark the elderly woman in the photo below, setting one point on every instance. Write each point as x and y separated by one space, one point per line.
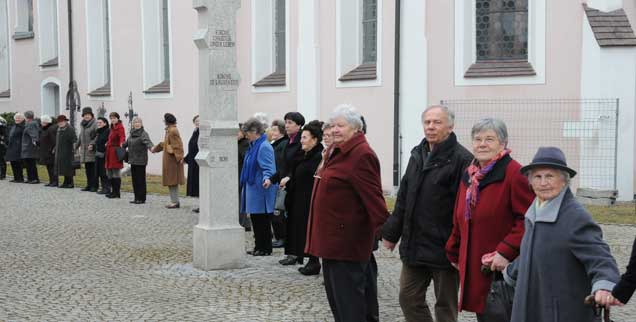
347 211
172 174
299 188
327 135
101 137
64 143
258 194
29 153
85 147
138 144
492 198
192 184
627 285
279 140
113 165
563 257
14 148
3 148
47 147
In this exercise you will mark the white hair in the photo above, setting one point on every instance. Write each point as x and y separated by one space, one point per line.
138 119
263 118
449 114
17 116
349 113
46 119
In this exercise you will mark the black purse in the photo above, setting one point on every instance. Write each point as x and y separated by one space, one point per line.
122 154
499 302
279 205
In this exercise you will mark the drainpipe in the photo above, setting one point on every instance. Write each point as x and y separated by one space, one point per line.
72 95
70 40
396 98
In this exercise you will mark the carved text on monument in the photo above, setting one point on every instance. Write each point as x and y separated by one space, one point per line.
222 38
224 79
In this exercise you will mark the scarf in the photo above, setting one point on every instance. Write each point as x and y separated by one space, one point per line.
476 174
248 173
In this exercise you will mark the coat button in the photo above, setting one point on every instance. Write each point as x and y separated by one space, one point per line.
341 226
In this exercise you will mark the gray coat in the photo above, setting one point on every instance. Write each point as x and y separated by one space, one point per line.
86 137
138 144
563 259
30 138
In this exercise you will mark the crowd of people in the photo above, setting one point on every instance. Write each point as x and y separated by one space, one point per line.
506 241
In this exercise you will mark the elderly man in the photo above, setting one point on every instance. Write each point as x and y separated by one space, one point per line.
423 218
29 154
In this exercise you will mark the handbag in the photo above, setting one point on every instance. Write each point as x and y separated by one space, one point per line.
499 301
122 154
76 163
281 194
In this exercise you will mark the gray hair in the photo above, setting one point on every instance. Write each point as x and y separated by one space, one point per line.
564 174
327 126
29 115
262 117
349 113
490 123
253 124
17 116
138 119
450 114
46 119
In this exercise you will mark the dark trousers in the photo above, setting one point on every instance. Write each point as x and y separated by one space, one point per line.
414 282
91 176
3 167
100 174
32 169
68 180
16 167
279 226
138 174
50 170
261 225
348 289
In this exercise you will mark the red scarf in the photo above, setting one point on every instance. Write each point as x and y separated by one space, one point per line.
476 174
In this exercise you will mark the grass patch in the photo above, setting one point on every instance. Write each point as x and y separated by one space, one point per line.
153 182
619 214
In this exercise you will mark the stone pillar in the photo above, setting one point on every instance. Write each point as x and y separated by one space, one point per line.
219 241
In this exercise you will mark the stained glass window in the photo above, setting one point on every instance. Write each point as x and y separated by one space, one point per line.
502 30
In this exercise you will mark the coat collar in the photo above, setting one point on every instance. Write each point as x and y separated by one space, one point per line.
498 173
443 151
550 211
356 140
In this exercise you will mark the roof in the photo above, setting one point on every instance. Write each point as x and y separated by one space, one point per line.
612 28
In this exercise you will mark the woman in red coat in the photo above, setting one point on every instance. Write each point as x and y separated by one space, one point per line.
113 166
488 221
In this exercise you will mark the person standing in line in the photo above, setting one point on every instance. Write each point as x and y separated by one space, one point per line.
64 142
29 152
192 185
258 194
14 149
243 146
113 165
423 218
85 145
172 169
138 144
102 133
279 140
47 148
3 148
625 288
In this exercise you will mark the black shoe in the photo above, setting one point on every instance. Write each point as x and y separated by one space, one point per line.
250 252
53 184
289 260
139 202
34 182
133 202
93 190
86 189
113 196
278 243
195 210
312 268
67 186
103 192
261 253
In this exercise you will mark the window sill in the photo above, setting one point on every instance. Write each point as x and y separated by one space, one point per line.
21 35
500 68
101 92
275 79
161 88
362 72
50 63
5 94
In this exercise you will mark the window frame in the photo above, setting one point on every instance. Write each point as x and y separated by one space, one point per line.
99 89
5 93
265 77
46 60
156 35
18 32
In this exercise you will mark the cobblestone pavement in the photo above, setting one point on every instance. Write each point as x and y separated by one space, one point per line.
68 255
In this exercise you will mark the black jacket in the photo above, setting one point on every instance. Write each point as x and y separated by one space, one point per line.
292 151
47 144
423 214
192 186
243 145
3 141
279 151
100 141
624 290
14 149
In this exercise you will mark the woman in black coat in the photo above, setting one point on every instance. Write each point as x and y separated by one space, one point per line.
625 288
299 188
102 133
47 147
14 149
3 148
279 143
64 151
193 167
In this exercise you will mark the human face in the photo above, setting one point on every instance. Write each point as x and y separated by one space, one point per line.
342 130
100 124
291 127
252 136
486 146
307 141
327 137
114 120
436 126
61 124
275 133
240 135
137 125
196 123
87 117
547 183
19 120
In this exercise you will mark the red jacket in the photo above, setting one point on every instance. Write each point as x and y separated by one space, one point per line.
116 138
497 224
348 207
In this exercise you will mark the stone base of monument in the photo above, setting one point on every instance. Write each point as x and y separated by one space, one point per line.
208 254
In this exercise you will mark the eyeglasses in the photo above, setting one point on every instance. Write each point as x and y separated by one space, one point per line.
488 140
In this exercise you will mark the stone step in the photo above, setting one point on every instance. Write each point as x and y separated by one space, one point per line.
596 193
606 202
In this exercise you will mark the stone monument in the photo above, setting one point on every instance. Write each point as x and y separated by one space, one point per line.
219 241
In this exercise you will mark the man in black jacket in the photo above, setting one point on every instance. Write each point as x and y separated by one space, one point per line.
3 147
423 219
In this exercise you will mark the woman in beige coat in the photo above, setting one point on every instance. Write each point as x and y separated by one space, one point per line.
172 170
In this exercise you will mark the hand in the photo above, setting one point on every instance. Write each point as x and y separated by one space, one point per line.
267 183
283 182
455 265
152 150
181 161
90 147
388 245
605 298
499 263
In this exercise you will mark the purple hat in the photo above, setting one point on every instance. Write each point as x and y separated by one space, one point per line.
550 157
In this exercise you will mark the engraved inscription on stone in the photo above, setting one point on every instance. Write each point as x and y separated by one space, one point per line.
221 38
224 79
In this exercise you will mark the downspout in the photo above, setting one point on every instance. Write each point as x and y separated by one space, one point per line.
396 98
70 41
